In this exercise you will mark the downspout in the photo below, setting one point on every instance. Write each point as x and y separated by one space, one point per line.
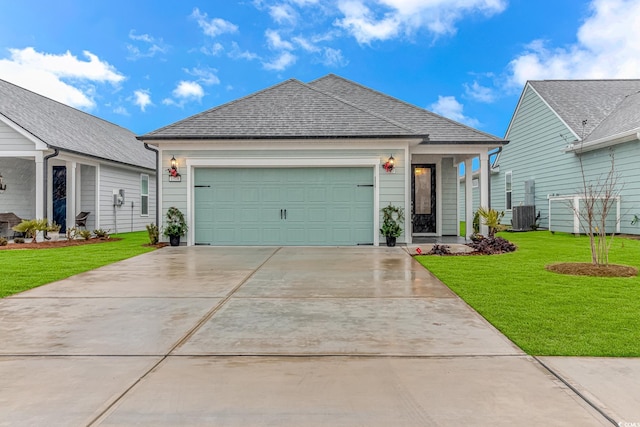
45 165
157 184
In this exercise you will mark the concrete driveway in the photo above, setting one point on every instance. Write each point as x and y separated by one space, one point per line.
266 336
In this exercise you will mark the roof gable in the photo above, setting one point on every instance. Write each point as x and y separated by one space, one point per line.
290 109
330 107
626 117
575 101
439 129
66 128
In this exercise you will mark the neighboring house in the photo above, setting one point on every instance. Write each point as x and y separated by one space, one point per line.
56 162
556 122
303 164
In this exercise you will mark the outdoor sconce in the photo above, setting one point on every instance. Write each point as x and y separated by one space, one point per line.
174 175
389 164
3 186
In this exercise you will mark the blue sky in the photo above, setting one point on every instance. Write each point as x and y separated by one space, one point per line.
145 64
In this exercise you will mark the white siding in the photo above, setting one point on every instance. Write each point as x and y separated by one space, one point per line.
88 194
127 217
450 223
11 140
19 176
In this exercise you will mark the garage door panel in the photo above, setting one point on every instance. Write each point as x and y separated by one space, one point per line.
324 206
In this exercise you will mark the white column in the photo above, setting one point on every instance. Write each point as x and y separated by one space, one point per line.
484 188
468 196
39 159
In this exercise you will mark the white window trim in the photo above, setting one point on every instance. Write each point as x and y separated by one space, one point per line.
142 176
508 175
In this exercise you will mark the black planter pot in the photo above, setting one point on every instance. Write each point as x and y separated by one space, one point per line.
174 240
391 241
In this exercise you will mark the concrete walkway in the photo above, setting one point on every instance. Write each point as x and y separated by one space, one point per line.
272 337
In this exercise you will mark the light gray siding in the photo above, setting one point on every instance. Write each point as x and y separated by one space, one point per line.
536 152
125 218
10 140
19 176
450 225
88 194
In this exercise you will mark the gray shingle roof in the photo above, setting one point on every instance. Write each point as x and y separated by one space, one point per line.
440 129
606 103
328 107
68 129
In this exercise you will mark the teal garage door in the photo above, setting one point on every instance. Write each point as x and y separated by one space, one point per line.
283 206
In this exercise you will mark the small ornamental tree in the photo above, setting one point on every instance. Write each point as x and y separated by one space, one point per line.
598 198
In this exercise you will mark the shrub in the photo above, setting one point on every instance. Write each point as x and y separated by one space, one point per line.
439 250
18 240
3 241
85 234
492 245
154 233
101 234
72 233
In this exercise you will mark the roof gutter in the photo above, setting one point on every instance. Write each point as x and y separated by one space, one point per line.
580 147
45 165
158 175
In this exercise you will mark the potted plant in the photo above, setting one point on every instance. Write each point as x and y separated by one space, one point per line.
175 226
392 217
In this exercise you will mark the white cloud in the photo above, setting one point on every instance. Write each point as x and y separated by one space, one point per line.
283 14
388 19
188 90
121 111
480 93
207 76
64 77
237 53
142 98
333 58
285 60
213 27
151 48
215 49
184 92
275 41
449 107
305 44
607 47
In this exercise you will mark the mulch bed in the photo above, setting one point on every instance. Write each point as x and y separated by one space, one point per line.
62 243
48 244
588 269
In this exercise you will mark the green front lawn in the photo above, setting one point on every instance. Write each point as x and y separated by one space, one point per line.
546 313
28 268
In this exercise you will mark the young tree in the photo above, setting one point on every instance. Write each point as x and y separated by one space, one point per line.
598 198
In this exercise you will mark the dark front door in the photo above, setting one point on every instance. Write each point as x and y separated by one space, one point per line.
59 198
423 198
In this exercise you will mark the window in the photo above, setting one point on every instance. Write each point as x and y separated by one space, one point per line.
144 195
475 183
507 190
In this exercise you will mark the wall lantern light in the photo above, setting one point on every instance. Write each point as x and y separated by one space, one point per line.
390 164
3 186
174 175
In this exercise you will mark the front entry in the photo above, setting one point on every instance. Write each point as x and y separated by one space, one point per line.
59 199
423 198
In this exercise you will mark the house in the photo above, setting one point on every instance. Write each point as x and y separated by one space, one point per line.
312 164
556 126
56 161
